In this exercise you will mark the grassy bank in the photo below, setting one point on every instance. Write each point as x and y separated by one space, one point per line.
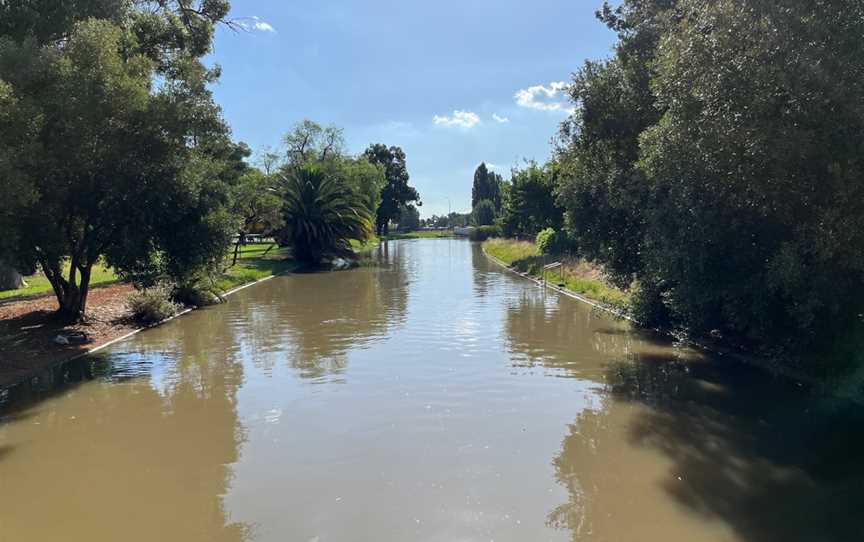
577 275
256 262
435 234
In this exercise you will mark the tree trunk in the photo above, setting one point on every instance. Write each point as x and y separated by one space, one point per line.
236 250
10 279
71 294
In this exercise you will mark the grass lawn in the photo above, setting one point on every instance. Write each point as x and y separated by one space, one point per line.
39 285
578 275
255 262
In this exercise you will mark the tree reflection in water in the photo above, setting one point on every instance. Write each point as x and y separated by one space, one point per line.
128 437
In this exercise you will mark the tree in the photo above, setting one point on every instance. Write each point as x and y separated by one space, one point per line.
256 205
125 171
397 192
409 218
487 185
322 215
531 203
712 159
309 142
363 177
269 160
483 213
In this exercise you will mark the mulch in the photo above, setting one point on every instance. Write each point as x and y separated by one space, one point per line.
28 328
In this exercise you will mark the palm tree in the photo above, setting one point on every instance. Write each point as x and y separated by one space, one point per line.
322 215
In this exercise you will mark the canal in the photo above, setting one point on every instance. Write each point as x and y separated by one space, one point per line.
429 395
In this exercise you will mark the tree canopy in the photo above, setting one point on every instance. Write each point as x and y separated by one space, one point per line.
717 160
396 192
487 185
104 163
531 203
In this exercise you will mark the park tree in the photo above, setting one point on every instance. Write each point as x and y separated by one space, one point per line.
409 218
487 185
310 142
256 205
531 205
322 215
118 168
483 213
396 192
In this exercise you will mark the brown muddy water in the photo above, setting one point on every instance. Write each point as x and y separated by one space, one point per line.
434 397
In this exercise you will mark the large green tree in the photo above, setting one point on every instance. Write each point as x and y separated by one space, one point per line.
487 185
116 167
717 159
396 192
531 203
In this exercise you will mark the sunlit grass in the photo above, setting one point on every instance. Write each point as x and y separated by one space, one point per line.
577 275
38 285
255 262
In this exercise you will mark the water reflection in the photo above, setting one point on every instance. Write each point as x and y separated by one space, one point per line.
315 319
95 460
763 456
742 456
558 333
419 399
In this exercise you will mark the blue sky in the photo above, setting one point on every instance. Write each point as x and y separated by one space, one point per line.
453 83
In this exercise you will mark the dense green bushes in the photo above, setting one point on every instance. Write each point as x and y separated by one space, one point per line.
551 242
481 233
718 160
531 205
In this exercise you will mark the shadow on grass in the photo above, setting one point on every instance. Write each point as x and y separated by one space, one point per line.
761 454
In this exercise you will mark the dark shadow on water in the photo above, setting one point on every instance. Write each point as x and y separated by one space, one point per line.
17 400
5 451
762 454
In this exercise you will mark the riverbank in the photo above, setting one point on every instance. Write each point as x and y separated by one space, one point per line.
420 234
584 282
574 275
28 326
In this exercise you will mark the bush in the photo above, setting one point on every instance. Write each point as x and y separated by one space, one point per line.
481 233
152 304
195 295
550 242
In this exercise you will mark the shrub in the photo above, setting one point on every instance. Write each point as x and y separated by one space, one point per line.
481 233
152 304
550 241
195 294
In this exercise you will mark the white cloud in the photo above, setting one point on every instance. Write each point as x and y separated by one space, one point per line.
462 119
500 119
551 98
255 24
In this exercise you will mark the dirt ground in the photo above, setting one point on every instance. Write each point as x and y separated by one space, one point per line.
28 329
